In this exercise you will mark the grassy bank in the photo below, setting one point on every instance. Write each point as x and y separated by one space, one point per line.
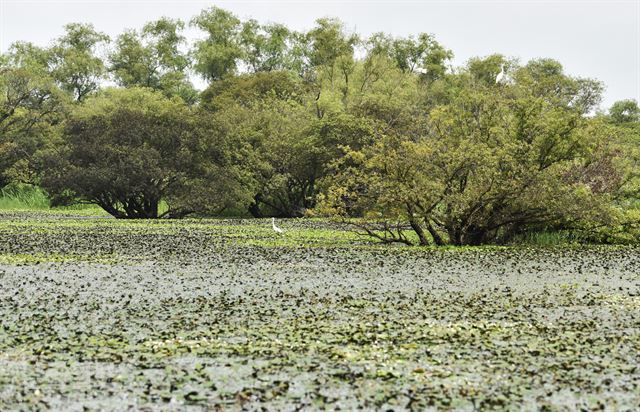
32 199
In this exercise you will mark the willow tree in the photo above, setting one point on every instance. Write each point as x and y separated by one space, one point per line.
75 61
217 56
31 110
152 58
491 162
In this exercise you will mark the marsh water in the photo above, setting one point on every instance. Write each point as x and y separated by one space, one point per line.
228 315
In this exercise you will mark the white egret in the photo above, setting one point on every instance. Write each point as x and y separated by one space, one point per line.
501 76
275 228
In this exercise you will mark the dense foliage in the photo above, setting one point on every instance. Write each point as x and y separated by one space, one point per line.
127 150
380 129
489 162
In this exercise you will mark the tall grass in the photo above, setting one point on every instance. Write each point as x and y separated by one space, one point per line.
23 197
29 197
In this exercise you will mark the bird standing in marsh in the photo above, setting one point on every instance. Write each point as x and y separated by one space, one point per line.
275 228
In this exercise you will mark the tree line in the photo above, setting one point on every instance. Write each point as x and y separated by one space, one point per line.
324 122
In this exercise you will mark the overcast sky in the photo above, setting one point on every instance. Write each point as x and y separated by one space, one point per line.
597 39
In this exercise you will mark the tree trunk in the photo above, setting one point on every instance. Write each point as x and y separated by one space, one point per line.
254 208
419 231
437 239
455 236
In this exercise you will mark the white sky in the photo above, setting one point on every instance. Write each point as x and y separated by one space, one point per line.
597 39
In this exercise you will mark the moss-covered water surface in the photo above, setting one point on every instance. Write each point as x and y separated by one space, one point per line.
225 314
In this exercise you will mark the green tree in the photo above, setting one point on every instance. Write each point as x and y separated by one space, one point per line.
152 58
285 146
546 80
330 43
248 88
127 150
75 62
265 116
331 51
31 108
493 161
266 47
423 54
217 56
625 111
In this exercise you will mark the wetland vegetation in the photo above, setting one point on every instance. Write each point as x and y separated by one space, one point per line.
457 238
323 122
226 314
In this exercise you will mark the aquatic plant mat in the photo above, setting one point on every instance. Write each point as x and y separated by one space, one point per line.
220 314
